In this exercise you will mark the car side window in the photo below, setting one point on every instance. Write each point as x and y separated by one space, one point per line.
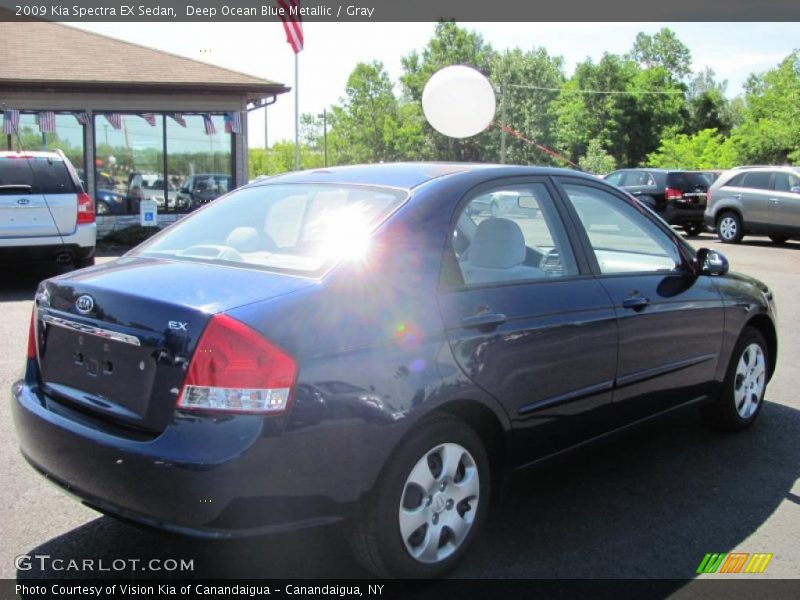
623 239
638 178
615 178
757 180
784 182
510 234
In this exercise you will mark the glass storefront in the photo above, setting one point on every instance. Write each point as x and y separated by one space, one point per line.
194 151
181 161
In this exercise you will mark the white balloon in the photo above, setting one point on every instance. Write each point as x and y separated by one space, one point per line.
458 101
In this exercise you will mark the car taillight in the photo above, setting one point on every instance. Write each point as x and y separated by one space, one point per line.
235 369
32 336
673 194
85 208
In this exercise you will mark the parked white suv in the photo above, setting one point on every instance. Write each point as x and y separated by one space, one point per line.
44 213
755 200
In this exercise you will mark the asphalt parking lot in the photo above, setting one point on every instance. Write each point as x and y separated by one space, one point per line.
648 504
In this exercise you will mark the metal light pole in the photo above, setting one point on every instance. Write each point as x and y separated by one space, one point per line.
324 117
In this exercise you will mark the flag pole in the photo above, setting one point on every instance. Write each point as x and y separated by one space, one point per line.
296 115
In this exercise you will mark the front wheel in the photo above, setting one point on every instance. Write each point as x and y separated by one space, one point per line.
429 503
729 228
745 383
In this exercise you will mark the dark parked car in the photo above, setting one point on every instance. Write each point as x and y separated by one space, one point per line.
202 188
679 197
358 344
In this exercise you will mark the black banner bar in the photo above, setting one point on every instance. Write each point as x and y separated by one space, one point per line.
402 10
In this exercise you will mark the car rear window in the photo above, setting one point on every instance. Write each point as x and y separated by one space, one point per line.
678 179
13 172
296 228
51 176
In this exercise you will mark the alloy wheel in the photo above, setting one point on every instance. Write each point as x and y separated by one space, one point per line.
439 503
750 381
728 228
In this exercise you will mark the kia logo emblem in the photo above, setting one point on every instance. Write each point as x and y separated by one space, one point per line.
23 201
84 304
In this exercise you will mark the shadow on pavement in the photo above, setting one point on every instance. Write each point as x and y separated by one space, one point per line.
647 504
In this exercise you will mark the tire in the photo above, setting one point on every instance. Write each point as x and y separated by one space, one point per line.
102 208
729 228
378 539
737 408
694 229
779 239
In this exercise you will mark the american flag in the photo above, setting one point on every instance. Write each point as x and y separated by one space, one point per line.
46 120
81 117
178 118
150 118
10 121
208 124
292 24
115 120
233 122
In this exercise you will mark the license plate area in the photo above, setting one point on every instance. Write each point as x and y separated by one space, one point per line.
106 371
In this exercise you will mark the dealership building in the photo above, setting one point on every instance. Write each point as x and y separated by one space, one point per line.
135 122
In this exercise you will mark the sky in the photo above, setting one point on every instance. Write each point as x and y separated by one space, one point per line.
733 50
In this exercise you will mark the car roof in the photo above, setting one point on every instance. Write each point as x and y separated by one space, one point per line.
405 175
29 154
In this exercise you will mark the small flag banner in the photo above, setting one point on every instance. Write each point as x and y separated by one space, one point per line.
233 122
150 118
114 119
81 117
178 118
292 24
208 124
46 120
10 121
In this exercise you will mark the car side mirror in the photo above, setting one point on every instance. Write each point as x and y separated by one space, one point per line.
795 189
711 262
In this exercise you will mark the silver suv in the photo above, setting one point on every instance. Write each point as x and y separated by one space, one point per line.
44 213
755 200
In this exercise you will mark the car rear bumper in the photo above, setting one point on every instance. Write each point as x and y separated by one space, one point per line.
44 253
683 215
218 477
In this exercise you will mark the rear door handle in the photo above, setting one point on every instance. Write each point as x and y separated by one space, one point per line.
485 320
737 196
636 303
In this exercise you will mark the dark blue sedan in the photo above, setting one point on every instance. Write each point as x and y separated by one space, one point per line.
363 344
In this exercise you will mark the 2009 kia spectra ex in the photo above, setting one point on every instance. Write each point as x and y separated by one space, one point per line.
371 343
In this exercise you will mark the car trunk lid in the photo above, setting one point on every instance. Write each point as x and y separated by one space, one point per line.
117 340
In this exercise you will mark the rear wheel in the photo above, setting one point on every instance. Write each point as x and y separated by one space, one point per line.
779 239
745 384
429 503
729 228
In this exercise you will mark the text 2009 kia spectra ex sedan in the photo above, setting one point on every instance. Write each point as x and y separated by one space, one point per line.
373 344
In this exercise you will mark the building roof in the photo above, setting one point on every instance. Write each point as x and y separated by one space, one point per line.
44 54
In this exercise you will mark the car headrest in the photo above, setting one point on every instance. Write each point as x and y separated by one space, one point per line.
497 244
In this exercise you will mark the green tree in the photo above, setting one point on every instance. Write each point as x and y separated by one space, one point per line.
707 149
597 160
706 104
770 128
663 49
528 79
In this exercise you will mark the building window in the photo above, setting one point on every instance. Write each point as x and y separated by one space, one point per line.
199 159
181 163
67 137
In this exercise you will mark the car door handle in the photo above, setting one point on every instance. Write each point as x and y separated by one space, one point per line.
636 303
484 320
737 196
775 200
636 193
